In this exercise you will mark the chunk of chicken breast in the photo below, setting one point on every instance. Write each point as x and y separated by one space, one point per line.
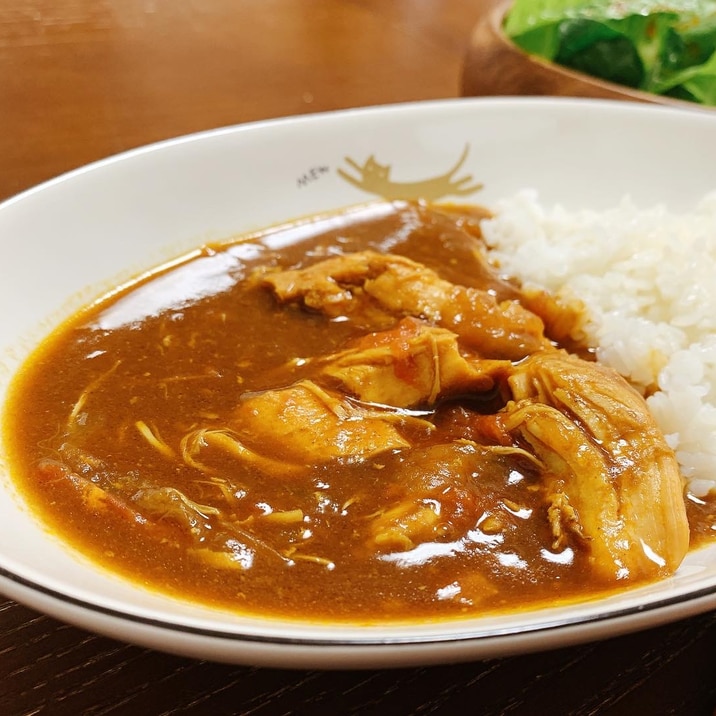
411 365
359 284
305 424
611 478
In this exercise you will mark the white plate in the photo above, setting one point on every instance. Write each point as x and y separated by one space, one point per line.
70 239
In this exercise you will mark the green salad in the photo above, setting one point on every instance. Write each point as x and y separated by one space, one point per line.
668 48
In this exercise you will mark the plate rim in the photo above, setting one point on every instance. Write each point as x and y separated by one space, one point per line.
696 114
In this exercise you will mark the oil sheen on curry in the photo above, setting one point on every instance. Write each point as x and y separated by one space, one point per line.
354 419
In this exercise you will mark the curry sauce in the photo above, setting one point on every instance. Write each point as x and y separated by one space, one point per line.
354 418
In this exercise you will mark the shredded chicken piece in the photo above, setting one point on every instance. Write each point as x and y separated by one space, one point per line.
617 479
441 497
344 285
413 364
563 520
306 424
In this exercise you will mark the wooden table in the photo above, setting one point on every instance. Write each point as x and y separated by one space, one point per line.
82 79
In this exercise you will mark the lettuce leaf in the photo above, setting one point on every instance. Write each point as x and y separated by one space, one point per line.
696 83
664 47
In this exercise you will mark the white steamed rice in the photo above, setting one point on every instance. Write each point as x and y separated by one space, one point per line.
648 281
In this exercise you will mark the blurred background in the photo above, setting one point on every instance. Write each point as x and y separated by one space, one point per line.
82 79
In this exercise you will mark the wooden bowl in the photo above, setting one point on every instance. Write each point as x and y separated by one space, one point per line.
494 65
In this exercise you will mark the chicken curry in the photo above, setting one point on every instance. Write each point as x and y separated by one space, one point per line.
353 418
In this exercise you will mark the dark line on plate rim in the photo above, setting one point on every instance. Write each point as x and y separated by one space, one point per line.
366 642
